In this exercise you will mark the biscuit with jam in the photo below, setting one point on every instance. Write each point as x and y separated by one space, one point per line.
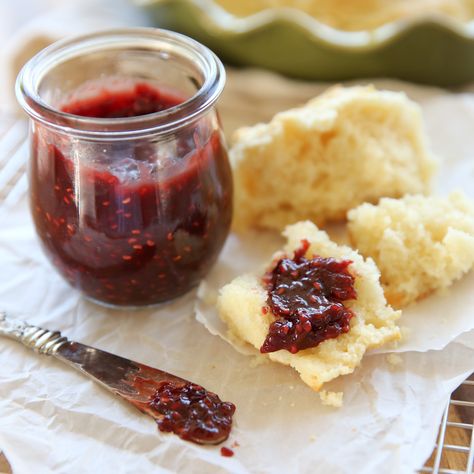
318 308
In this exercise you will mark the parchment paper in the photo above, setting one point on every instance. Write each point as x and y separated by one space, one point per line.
55 420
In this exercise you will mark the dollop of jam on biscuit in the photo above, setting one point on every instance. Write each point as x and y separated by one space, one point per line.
307 296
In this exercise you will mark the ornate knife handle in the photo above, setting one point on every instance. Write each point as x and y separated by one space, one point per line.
38 339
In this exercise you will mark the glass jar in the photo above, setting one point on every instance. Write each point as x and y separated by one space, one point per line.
130 184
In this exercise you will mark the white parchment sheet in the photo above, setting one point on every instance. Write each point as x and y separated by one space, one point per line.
55 420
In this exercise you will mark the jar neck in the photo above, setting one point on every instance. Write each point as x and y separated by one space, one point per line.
209 81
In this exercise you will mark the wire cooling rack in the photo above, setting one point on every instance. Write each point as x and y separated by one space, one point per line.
454 450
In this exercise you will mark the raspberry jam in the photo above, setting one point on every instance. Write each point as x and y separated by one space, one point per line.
139 99
192 412
132 222
226 452
306 296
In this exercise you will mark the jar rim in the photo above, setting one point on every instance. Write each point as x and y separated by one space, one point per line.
161 122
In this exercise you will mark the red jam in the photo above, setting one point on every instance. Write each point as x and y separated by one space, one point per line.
226 452
120 224
140 99
193 413
306 296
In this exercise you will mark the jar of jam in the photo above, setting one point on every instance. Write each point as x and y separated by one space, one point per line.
130 184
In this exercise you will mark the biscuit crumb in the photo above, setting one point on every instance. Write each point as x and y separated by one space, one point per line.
332 399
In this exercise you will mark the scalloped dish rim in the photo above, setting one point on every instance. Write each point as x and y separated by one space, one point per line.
228 23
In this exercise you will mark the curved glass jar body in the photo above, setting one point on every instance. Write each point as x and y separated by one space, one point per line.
130 184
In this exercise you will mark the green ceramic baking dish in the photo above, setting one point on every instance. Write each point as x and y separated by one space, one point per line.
437 51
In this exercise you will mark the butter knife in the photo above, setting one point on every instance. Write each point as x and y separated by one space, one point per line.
176 404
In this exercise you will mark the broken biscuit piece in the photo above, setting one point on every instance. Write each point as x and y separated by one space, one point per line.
345 147
318 308
420 244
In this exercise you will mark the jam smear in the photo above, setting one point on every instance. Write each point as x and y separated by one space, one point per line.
192 412
132 222
306 296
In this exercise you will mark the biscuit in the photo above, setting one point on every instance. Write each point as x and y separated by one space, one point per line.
420 244
240 305
347 146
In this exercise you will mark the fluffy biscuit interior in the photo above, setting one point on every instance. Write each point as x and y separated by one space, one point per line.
345 147
420 244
